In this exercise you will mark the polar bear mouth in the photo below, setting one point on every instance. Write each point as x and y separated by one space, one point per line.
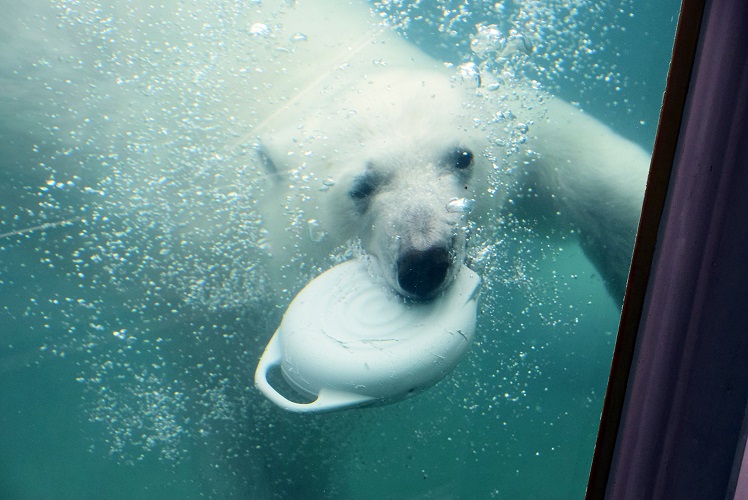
422 274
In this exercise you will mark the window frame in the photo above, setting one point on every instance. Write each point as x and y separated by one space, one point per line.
673 420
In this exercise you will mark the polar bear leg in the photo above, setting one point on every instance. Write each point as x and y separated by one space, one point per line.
595 181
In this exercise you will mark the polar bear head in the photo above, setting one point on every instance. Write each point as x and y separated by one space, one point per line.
392 159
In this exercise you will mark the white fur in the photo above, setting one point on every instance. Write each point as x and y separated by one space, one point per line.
347 96
356 98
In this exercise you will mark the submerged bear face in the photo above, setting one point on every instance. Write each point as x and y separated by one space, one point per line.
411 162
400 156
410 213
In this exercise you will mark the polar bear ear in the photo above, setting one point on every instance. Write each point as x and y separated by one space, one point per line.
363 186
265 160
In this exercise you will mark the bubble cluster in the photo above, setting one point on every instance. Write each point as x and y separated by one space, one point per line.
135 205
565 38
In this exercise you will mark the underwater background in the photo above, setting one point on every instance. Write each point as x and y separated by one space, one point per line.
127 349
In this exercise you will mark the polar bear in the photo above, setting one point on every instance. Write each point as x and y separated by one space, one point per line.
369 139
361 137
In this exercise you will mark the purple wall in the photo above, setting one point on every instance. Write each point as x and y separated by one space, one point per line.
687 393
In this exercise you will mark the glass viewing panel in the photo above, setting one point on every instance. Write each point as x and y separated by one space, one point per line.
173 173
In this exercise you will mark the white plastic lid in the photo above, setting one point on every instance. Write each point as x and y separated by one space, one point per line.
347 340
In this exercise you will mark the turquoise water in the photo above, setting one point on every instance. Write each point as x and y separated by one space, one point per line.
127 350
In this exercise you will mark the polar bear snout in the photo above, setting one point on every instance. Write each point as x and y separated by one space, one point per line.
420 245
422 273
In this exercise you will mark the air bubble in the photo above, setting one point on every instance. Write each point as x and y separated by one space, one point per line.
488 39
259 30
316 233
517 43
460 205
469 75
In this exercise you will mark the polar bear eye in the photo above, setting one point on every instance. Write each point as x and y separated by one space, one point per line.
460 158
363 187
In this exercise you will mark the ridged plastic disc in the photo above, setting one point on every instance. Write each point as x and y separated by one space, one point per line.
347 333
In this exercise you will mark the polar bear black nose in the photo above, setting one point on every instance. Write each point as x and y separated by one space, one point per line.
420 273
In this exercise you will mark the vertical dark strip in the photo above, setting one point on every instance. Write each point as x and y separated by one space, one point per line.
668 131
